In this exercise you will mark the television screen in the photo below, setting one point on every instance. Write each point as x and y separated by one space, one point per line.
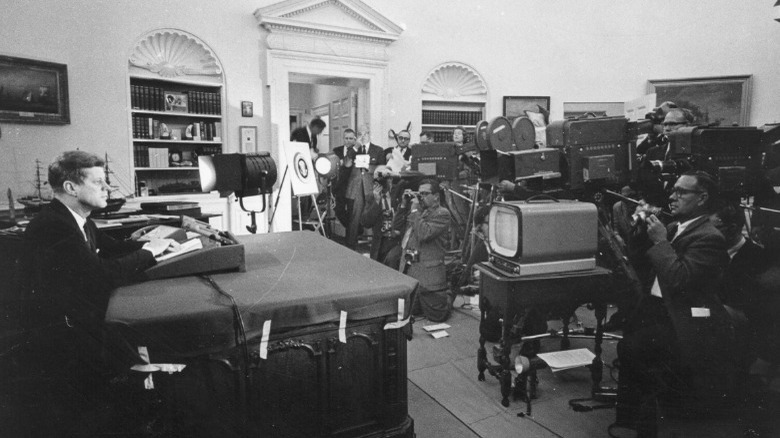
505 231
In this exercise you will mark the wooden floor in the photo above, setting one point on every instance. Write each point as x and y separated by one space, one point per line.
447 400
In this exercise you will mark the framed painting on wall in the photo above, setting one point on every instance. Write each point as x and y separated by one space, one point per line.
598 109
33 91
724 100
516 106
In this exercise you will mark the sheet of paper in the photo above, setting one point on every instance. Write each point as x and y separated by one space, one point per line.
439 334
433 328
561 360
188 246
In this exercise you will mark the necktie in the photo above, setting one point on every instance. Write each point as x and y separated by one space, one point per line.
90 239
673 231
362 149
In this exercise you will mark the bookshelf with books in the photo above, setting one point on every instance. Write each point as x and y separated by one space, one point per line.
172 123
440 118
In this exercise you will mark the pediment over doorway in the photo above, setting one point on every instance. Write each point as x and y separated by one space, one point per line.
329 27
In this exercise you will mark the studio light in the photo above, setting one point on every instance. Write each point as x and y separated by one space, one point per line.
327 165
777 11
244 175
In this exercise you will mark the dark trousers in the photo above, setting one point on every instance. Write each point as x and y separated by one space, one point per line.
648 356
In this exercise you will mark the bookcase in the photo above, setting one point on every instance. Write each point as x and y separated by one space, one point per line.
440 118
173 122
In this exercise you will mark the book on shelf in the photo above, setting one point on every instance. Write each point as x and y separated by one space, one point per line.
158 207
158 157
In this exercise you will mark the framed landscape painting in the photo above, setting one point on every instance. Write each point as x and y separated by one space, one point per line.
724 100
33 91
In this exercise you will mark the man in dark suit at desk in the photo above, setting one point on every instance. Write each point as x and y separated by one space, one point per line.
308 134
683 330
69 268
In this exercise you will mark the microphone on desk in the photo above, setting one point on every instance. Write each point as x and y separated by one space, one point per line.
207 230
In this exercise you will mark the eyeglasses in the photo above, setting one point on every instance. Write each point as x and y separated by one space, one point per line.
423 193
679 191
404 138
673 123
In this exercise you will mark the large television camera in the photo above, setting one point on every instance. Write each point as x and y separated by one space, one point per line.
734 155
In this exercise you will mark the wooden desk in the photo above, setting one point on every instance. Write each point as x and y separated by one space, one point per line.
511 297
311 384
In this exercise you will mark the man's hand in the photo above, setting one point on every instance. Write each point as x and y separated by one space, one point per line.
159 246
656 230
506 186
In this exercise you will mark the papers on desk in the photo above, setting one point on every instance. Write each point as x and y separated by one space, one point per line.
567 359
184 248
118 222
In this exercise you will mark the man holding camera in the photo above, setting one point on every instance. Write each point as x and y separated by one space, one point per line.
425 225
680 330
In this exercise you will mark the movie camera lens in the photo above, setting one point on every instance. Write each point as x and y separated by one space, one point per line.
670 167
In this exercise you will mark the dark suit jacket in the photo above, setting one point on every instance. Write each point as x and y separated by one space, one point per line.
739 280
429 236
65 277
373 217
302 135
689 272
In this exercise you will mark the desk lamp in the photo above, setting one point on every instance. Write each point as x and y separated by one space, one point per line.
242 174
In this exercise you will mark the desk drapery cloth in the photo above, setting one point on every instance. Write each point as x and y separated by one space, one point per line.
296 280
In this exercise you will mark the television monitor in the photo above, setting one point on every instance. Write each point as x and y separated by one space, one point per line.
525 233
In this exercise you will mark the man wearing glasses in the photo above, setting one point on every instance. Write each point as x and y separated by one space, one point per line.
400 157
680 328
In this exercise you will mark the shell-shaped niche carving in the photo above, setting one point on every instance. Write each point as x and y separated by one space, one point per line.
172 53
454 80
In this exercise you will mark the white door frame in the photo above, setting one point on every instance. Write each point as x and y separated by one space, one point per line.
281 63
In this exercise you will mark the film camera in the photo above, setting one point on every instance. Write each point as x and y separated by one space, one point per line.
412 256
734 155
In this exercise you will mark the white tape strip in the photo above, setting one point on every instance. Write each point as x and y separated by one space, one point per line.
264 339
343 327
150 368
401 321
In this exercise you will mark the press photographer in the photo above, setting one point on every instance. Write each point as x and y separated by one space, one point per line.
680 330
424 225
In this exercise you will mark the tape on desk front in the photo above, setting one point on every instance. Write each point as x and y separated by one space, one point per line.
343 327
264 339
401 321
150 368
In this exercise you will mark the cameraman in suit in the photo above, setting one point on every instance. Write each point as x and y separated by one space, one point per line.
680 329
424 225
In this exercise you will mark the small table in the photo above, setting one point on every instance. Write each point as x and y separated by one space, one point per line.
512 296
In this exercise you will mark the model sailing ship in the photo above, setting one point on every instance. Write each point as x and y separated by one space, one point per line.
36 201
114 202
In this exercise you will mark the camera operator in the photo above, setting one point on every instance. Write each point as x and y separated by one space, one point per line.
425 226
657 116
378 215
680 328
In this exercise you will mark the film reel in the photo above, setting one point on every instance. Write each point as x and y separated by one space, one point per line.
524 133
480 136
499 134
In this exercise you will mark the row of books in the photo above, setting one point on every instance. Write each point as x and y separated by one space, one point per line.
158 157
446 136
151 128
149 98
465 118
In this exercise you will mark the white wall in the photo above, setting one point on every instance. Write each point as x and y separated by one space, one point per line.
598 50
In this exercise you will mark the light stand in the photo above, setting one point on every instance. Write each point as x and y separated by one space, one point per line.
327 166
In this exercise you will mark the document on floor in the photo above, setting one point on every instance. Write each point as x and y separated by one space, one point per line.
436 327
564 360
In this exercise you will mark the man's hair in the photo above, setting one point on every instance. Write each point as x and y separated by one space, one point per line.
706 183
70 167
435 189
317 123
685 112
427 134
348 130
729 213
459 128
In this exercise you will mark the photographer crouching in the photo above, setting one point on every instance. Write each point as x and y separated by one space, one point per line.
424 225
679 335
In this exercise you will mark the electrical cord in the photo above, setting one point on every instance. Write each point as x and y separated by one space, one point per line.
238 328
